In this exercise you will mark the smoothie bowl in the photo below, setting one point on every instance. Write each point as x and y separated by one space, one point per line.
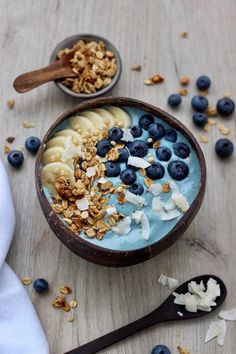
119 180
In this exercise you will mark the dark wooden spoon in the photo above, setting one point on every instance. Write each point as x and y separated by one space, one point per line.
167 311
58 70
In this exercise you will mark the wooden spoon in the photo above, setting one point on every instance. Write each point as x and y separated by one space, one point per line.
167 311
58 70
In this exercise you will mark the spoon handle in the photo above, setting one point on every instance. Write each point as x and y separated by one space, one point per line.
119 334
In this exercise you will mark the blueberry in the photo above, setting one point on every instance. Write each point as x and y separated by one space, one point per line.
156 131
225 106
103 146
178 170
174 100
138 148
112 169
15 158
123 155
199 103
40 285
115 134
163 153
145 121
32 144
136 188
224 148
161 349
155 171
200 119
136 131
181 150
128 176
171 135
203 82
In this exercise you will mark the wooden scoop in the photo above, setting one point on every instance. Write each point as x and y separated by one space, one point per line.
58 70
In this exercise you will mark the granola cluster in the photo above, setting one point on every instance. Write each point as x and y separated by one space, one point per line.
94 65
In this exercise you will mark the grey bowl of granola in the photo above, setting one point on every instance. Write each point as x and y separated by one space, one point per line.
96 62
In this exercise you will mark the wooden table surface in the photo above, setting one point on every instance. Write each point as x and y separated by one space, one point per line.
146 33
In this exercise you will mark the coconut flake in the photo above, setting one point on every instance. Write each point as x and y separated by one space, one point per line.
102 180
155 189
138 162
127 136
91 171
169 205
145 227
174 188
180 201
229 315
72 152
82 204
111 210
171 282
197 289
123 227
180 313
216 329
169 215
135 199
157 204
137 216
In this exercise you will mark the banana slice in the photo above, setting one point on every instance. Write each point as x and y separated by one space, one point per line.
96 119
107 116
57 141
53 154
120 115
54 170
82 123
76 138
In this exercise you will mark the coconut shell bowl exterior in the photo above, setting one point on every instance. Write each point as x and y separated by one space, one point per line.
117 251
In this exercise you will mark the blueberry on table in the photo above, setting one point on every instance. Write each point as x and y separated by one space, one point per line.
178 170
199 103
112 169
156 131
174 100
40 285
163 153
200 119
138 148
128 176
136 188
32 144
136 131
103 146
115 134
203 82
145 121
171 135
161 349
225 106
123 155
224 148
155 171
181 150
15 158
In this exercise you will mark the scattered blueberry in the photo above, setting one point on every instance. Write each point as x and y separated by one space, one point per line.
103 146
178 170
115 134
136 131
138 148
156 131
15 158
40 285
203 82
225 106
155 171
224 148
171 135
163 153
123 155
174 100
112 169
161 349
145 121
136 188
181 150
200 119
128 176
199 103
32 144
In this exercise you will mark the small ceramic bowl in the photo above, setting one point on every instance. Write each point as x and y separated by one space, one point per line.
103 252
68 43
